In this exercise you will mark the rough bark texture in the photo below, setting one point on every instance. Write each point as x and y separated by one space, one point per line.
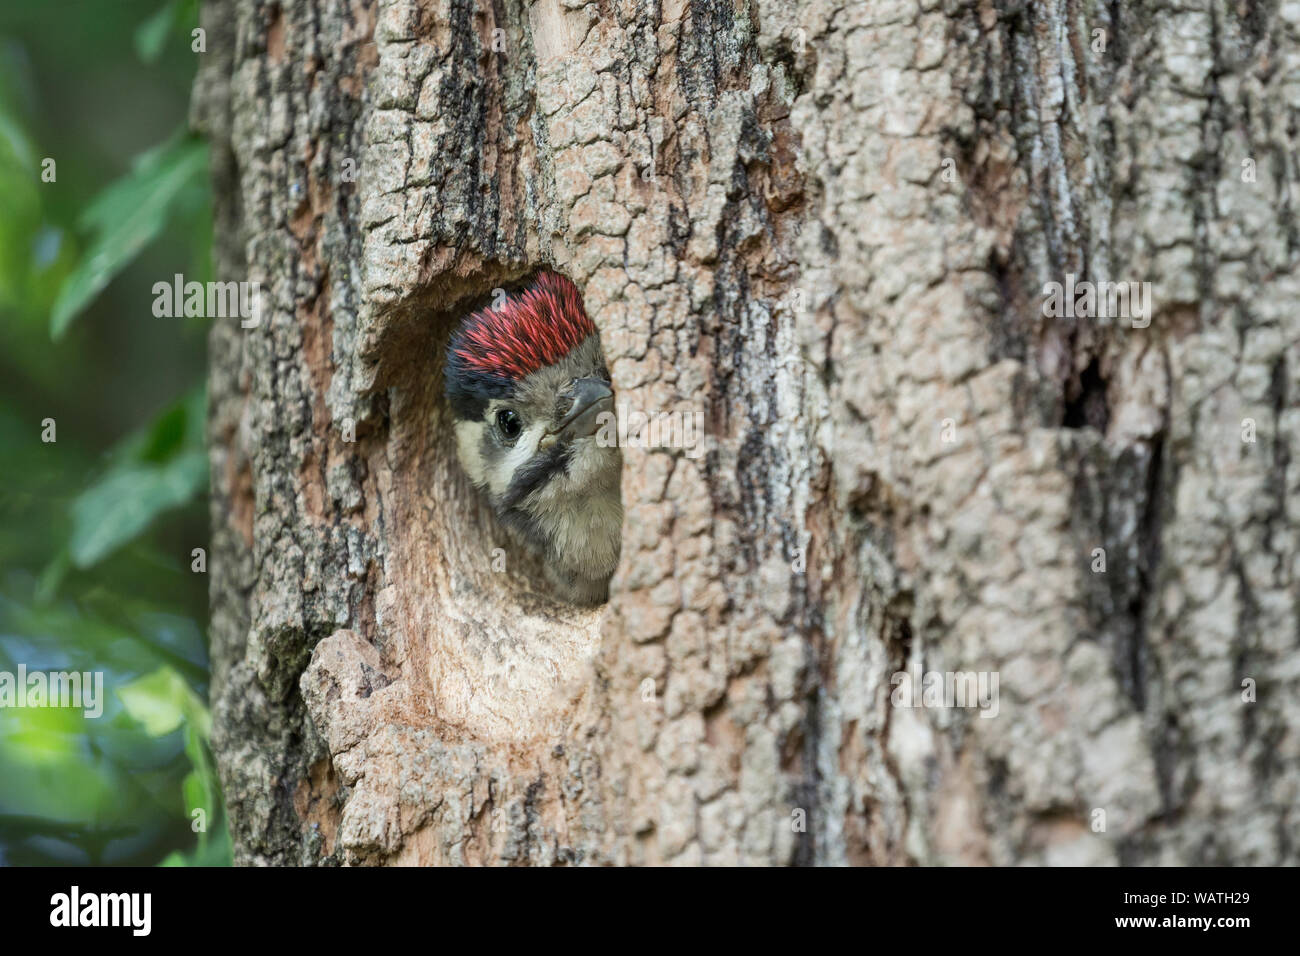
827 225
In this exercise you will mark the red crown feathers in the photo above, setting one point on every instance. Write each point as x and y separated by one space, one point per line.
526 332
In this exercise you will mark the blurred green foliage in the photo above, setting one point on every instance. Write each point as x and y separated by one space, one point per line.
98 528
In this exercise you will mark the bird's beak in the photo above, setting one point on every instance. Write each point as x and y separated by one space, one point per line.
591 397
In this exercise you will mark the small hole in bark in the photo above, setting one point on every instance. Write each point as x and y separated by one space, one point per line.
785 61
1086 403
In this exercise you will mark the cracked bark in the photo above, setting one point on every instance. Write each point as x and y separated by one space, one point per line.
827 227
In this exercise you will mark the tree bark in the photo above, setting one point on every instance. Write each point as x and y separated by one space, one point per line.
827 227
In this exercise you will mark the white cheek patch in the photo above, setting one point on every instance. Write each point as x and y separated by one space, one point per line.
469 438
515 458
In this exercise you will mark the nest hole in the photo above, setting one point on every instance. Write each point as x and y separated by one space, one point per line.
482 638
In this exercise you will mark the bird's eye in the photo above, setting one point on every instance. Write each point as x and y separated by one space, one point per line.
508 424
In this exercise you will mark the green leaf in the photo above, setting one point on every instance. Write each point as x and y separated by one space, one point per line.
48 584
123 503
196 735
15 146
21 226
214 852
151 36
155 468
195 794
126 217
162 701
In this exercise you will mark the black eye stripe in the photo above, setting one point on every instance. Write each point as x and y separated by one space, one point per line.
535 474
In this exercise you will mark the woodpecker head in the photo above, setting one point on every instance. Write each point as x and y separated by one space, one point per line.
527 385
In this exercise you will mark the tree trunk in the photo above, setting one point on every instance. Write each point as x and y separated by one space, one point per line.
828 228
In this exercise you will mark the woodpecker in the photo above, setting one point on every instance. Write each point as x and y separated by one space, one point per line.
528 389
